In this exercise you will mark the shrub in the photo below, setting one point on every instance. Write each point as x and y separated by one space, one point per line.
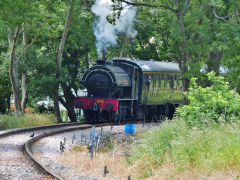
210 104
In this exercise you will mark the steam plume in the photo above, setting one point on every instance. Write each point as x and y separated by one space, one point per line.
106 33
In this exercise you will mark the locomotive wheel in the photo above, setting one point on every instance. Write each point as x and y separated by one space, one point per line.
171 110
104 116
88 115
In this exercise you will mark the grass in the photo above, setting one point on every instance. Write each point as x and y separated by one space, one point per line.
26 120
82 164
210 151
111 155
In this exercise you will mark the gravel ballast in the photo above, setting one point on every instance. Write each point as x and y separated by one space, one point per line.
48 148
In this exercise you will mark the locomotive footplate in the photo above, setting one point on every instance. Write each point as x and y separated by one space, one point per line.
96 103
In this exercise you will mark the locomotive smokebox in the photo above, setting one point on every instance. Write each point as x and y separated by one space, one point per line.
105 79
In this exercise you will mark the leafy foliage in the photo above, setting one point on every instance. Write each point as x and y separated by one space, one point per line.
5 87
211 104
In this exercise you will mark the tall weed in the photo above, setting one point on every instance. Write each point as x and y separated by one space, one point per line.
26 120
155 146
213 148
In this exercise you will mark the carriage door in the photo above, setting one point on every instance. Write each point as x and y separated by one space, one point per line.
135 83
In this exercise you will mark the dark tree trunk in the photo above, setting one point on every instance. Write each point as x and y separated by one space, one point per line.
56 106
183 61
186 83
68 103
214 61
70 109
24 91
9 103
13 72
24 75
59 64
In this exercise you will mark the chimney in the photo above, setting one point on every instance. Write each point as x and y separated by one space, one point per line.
103 54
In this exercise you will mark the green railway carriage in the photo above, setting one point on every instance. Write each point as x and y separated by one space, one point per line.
159 82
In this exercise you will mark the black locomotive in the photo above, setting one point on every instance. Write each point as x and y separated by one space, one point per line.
122 89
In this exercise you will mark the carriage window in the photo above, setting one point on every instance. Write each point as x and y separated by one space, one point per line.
151 81
158 81
146 82
165 80
180 82
175 81
178 85
171 81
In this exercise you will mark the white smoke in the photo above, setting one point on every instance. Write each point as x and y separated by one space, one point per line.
106 33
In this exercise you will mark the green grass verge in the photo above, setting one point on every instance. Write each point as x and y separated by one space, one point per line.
26 120
213 148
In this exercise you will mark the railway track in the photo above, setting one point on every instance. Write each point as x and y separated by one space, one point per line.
17 158
14 164
45 167
29 143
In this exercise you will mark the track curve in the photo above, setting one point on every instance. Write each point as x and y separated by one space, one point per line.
28 145
43 149
13 163
27 148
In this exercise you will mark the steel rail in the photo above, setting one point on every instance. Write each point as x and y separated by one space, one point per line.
29 143
29 129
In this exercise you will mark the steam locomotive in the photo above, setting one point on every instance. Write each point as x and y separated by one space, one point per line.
122 89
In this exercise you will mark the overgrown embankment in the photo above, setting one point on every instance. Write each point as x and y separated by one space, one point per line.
173 148
26 120
202 141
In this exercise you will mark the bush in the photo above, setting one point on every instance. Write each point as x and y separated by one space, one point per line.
210 104
3 106
26 120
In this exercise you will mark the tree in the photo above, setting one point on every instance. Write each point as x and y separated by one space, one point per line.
12 17
79 48
59 62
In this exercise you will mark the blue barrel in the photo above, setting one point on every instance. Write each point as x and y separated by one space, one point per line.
129 129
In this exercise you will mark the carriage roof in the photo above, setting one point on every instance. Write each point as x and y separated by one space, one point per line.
151 66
